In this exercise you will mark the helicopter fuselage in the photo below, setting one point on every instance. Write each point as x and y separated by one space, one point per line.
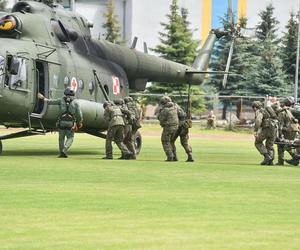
46 49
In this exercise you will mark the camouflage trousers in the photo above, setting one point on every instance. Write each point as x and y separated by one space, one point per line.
129 139
116 134
183 133
166 140
65 139
268 135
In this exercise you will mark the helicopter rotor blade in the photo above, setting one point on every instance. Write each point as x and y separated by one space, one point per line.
231 21
225 78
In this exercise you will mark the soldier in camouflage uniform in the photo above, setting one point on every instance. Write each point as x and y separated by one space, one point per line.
114 117
69 120
288 129
265 130
132 106
183 133
168 119
128 117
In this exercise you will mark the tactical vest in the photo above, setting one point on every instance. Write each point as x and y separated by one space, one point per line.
116 116
291 123
170 116
269 117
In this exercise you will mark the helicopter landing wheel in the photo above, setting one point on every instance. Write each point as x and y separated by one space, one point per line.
1 147
137 142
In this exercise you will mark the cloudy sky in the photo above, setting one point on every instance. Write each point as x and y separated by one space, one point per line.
282 10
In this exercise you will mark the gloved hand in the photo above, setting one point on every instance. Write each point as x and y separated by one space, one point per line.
40 96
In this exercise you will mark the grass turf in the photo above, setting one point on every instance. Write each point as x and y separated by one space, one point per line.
224 200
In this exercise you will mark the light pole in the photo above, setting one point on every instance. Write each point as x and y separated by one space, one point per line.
297 60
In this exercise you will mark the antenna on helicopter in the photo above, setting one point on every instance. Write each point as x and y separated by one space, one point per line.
133 45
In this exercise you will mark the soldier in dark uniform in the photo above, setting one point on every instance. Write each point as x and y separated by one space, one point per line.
69 120
265 130
168 119
288 129
183 133
115 132
128 117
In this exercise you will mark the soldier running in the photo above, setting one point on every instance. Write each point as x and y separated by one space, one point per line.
288 129
183 133
168 119
265 130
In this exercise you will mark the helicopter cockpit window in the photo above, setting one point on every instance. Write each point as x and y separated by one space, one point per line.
2 69
17 72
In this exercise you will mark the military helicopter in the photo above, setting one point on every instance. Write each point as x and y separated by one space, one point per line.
45 49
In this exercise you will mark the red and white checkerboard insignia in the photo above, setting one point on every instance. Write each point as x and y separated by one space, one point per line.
74 84
116 85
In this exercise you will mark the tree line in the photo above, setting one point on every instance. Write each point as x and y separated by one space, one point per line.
261 65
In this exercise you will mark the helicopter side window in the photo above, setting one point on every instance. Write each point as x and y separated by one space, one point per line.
2 69
17 72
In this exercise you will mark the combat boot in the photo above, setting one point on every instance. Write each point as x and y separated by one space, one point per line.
170 158
175 158
266 160
126 156
62 155
293 162
107 157
280 163
190 158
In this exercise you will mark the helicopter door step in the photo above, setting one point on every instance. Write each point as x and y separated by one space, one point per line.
36 116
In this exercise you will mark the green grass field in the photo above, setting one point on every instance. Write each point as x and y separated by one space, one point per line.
224 200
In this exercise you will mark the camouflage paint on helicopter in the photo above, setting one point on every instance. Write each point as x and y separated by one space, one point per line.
47 49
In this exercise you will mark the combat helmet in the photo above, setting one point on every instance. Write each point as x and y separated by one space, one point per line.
257 104
119 101
106 103
165 99
128 99
289 101
69 92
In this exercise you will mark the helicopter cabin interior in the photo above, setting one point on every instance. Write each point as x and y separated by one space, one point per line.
42 86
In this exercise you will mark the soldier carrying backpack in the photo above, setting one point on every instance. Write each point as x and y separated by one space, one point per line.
69 120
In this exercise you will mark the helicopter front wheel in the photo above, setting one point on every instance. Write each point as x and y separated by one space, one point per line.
137 142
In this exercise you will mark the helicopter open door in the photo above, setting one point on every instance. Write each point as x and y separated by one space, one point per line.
42 86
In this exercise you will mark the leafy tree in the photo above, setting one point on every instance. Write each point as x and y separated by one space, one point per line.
267 27
176 44
112 25
289 49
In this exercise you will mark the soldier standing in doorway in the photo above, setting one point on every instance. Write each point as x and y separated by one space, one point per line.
69 120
